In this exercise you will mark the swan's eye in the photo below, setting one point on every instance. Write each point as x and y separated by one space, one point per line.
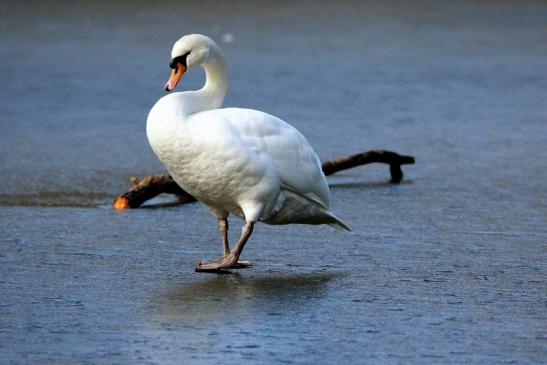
178 59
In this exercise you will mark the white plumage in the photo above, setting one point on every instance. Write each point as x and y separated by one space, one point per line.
239 161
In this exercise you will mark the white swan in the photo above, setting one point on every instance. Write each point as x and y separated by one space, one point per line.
234 160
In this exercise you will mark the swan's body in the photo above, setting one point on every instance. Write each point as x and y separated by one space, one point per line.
239 161
242 161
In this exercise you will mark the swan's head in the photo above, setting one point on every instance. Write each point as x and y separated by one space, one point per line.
190 51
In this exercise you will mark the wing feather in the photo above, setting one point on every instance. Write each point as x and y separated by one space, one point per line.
290 152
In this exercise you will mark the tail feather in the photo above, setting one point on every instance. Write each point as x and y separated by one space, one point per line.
338 224
306 208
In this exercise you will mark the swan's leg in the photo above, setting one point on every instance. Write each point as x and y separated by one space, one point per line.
223 227
231 261
246 232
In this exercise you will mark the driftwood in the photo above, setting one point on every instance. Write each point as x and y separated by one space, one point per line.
394 160
149 187
153 185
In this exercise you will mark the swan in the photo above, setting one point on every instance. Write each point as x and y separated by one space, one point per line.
235 161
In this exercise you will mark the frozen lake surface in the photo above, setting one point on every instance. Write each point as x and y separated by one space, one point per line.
447 267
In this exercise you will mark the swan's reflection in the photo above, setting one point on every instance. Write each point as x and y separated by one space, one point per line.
237 296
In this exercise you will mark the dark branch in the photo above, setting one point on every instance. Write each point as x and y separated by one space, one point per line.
148 188
393 159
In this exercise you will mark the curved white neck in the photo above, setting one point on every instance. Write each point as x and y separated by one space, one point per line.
211 96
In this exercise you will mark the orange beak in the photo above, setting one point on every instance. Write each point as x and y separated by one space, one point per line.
176 74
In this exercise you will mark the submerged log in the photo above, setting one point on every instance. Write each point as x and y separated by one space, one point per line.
149 187
394 160
153 185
